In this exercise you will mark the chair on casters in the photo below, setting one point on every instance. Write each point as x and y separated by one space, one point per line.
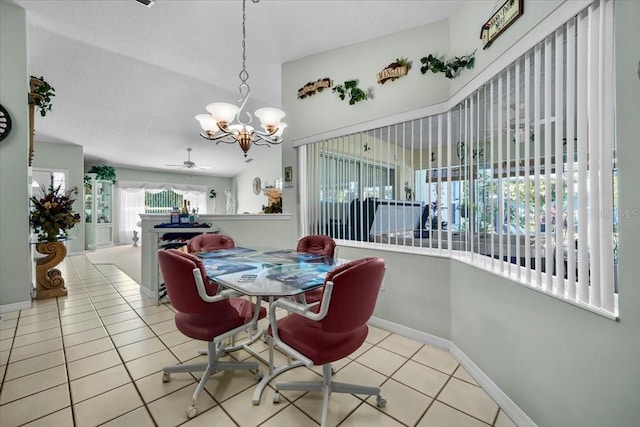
210 242
316 244
324 333
203 315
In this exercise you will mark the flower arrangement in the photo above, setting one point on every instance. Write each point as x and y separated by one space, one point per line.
275 207
52 215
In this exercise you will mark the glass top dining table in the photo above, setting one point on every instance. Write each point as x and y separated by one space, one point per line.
267 273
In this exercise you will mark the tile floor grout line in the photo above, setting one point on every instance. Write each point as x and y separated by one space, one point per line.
90 289
13 340
168 348
66 365
66 368
124 365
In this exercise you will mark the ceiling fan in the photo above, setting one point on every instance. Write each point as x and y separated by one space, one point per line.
188 164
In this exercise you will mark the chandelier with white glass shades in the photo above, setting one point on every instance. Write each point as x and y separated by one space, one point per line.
218 124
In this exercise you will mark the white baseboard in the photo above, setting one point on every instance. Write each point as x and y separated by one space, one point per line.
517 415
8 308
414 334
148 292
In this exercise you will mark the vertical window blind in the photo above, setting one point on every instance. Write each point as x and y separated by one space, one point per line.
519 178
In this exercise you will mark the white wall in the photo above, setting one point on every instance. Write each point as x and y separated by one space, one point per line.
564 366
15 254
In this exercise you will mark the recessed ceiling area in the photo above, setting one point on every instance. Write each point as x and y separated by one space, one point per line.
129 79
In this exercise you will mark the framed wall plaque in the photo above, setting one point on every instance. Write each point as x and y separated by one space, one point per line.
501 20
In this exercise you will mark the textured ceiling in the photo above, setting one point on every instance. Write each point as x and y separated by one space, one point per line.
129 79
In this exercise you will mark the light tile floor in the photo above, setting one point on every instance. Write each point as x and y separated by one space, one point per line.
95 357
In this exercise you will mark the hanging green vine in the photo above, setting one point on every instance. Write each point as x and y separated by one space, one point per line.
352 90
449 68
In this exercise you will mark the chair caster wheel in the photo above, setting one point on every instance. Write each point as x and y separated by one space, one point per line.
258 375
276 398
381 402
166 377
192 411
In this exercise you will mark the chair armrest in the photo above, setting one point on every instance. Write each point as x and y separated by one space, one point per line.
293 306
304 309
222 295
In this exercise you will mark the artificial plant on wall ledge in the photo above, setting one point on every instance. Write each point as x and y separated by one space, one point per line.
41 94
450 68
104 172
352 90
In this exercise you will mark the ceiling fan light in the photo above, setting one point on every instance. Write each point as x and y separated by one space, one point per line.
269 117
208 123
223 112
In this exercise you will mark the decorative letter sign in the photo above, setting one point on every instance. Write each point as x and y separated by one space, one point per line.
500 21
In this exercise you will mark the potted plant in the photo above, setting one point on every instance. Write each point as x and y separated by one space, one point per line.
41 94
104 172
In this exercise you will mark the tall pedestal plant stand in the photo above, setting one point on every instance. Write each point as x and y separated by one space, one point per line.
49 280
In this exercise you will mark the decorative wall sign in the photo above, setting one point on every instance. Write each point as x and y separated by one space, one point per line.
501 20
312 87
394 71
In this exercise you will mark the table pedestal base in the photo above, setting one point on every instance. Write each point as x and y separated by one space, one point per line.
49 280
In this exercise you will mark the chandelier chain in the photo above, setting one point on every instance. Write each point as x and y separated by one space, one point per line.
244 75
218 123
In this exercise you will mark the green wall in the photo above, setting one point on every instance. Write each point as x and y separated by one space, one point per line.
67 157
562 365
15 253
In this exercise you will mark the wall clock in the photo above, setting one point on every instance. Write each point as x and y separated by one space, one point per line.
257 186
5 123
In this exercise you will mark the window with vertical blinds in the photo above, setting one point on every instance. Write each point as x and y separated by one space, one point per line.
519 178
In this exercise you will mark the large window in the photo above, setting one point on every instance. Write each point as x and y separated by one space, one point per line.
162 202
137 198
518 178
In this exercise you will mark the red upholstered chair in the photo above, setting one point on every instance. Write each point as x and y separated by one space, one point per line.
203 315
331 330
316 244
210 242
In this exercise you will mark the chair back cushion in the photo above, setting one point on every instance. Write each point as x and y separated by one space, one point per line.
210 286
355 291
210 242
317 244
196 318
177 272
